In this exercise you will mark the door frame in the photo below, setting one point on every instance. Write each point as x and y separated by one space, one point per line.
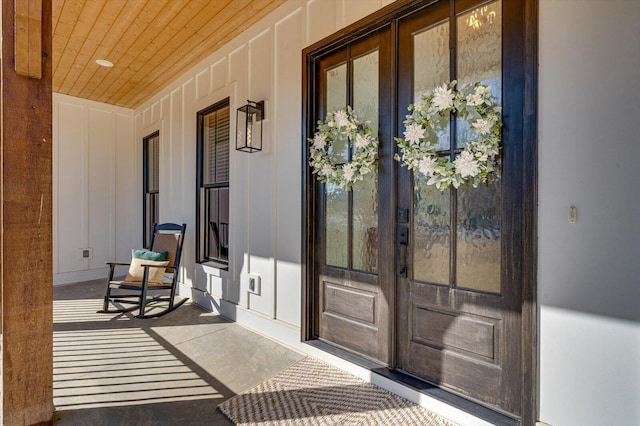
525 12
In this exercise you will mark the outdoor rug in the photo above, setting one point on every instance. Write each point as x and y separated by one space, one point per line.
311 392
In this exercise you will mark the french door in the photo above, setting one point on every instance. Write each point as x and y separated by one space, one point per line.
424 281
458 303
353 228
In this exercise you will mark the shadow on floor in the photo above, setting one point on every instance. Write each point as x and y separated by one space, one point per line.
113 369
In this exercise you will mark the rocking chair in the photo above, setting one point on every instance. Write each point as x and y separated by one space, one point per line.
147 276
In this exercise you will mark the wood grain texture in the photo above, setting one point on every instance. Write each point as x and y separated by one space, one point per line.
466 334
26 237
348 303
28 38
150 42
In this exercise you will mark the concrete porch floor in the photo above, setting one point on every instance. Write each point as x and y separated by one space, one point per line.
112 369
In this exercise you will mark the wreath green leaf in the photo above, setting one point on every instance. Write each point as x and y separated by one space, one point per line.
343 124
478 162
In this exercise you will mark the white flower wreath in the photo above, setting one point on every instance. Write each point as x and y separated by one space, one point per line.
343 123
476 163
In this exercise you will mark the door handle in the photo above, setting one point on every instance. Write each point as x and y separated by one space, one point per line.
403 234
402 269
403 242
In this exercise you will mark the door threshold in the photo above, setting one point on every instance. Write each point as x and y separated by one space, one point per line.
420 386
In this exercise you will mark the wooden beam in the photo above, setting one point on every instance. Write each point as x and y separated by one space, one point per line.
26 225
28 38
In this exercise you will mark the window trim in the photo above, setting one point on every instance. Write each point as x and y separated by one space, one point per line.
200 259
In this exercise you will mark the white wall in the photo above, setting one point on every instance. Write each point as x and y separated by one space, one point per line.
91 186
263 63
589 290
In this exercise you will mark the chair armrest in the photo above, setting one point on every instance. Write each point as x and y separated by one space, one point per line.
117 264
112 268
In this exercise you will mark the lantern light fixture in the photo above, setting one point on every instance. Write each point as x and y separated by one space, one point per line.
249 126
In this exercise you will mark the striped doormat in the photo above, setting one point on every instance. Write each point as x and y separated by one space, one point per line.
311 392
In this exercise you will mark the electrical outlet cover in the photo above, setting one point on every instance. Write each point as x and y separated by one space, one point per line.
86 253
254 284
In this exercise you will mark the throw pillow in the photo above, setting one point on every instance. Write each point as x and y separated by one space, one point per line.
136 270
148 254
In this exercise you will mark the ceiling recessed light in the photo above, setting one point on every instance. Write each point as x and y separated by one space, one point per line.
104 63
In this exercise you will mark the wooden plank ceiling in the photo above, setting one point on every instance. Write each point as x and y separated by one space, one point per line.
150 42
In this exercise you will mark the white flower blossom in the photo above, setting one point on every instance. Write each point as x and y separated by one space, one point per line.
426 166
483 90
475 99
326 170
319 141
443 97
361 141
482 126
413 133
466 165
348 172
341 119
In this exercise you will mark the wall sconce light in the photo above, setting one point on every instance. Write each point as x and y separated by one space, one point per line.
249 127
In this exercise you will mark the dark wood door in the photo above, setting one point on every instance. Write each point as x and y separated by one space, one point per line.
353 279
458 318
429 282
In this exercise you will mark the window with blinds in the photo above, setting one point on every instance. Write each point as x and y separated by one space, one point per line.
213 184
151 178
216 141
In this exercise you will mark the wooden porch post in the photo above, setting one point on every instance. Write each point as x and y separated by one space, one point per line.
26 213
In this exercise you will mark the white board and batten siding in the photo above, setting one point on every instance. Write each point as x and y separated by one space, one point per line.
94 160
263 63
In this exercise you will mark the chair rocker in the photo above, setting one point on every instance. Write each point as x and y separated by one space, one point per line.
167 237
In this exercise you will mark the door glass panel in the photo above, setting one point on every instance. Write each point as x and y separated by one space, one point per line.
336 87
336 226
337 99
431 58
365 192
479 54
478 243
336 200
431 229
365 88
431 224
478 221
431 69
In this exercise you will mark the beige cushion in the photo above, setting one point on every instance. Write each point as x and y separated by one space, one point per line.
136 270
168 243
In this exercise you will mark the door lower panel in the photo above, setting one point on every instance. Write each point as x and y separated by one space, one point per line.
350 314
463 334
